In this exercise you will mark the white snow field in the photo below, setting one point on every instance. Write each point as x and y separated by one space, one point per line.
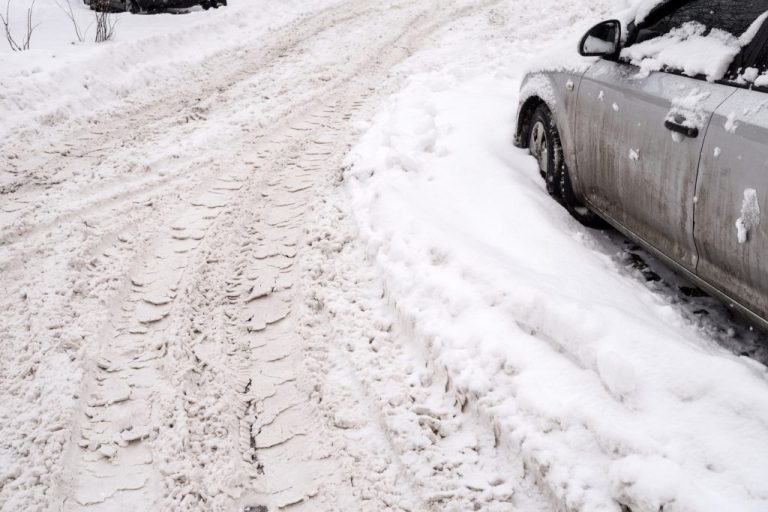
284 256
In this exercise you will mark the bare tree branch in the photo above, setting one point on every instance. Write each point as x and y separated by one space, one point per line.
67 8
27 38
105 21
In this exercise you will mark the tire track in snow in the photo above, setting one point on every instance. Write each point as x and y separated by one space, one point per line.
182 377
456 459
120 391
142 127
126 381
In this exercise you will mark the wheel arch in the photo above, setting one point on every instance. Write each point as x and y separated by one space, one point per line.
557 90
525 112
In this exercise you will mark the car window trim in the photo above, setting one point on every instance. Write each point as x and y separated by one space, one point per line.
700 78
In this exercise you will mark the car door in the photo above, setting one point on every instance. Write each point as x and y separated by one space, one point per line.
632 166
732 196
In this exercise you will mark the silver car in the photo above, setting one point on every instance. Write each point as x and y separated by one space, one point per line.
665 137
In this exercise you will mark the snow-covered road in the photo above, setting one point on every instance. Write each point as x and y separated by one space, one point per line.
299 265
164 350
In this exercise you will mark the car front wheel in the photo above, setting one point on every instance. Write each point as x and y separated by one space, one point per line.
544 146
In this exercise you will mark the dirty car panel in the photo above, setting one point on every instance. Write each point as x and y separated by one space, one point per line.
630 165
732 189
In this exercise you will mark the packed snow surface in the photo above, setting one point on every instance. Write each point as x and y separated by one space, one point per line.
211 303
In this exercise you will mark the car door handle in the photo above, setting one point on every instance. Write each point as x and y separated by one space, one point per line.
677 126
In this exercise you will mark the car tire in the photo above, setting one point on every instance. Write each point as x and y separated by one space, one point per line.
544 146
575 207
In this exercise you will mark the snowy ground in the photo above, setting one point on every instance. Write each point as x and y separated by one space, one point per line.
283 256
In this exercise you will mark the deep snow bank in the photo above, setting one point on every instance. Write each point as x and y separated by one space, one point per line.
60 79
610 393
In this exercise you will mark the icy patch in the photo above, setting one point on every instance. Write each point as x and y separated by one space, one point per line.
750 215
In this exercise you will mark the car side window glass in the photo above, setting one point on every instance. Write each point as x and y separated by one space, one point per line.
701 38
732 16
751 67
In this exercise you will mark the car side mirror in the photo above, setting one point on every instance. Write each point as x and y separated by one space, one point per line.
602 40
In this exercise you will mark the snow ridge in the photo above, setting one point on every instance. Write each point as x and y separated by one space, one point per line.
602 388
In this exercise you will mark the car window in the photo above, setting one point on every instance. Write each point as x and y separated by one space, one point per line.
732 16
761 48
762 59
751 67
701 38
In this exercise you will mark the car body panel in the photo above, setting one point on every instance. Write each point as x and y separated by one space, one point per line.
735 161
630 166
